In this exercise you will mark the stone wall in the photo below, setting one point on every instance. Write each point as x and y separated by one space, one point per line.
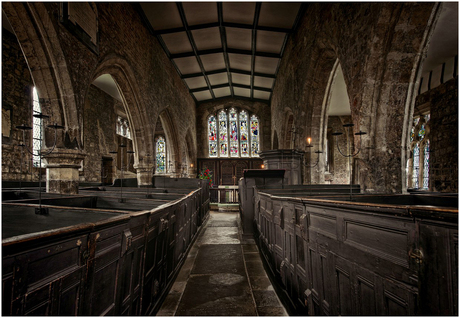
17 88
378 46
443 103
204 110
126 50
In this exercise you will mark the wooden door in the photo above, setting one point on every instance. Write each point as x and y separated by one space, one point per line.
107 170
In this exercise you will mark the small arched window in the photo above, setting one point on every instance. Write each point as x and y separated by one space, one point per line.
160 152
418 166
37 128
238 134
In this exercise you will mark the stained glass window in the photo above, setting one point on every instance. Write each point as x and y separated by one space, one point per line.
412 133
37 129
123 127
233 133
161 155
254 136
416 166
426 165
244 136
223 134
212 136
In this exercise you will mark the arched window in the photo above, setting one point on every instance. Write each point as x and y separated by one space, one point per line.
123 128
418 166
37 128
212 136
160 150
238 134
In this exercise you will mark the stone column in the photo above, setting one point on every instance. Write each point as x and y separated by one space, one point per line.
287 159
144 174
62 170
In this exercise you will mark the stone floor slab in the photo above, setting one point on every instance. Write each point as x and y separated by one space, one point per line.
213 259
220 235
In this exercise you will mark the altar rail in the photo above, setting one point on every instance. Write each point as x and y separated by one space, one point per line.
333 257
121 265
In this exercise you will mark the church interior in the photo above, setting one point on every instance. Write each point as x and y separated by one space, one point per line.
230 158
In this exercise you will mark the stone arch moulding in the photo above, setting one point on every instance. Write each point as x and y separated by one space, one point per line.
286 129
40 44
412 92
172 140
275 140
136 112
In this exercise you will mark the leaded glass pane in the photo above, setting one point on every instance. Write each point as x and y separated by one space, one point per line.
426 165
161 155
223 134
421 132
416 166
254 136
212 136
244 136
37 129
233 133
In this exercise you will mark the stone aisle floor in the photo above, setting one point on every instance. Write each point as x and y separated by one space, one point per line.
222 276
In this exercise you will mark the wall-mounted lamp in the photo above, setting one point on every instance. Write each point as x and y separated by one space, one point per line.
349 154
309 146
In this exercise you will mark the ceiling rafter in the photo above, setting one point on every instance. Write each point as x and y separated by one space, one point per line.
202 89
180 8
232 70
225 51
225 25
223 37
253 44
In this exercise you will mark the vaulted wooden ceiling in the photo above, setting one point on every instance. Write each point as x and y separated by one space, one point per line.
223 49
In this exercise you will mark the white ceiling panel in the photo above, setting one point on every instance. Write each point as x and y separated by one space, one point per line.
204 95
265 82
217 79
241 79
270 42
239 38
243 92
177 42
196 82
266 65
261 94
162 15
200 12
222 92
279 14
212 62
208 38
187 65
239 12
240 61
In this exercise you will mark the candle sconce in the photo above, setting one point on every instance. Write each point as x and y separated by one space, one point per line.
350 153
40 154
309 146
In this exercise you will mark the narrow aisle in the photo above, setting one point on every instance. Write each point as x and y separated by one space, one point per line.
222 276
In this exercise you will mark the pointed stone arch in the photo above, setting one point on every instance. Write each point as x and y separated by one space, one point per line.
40 44
287 129
172 142
275 140
125 79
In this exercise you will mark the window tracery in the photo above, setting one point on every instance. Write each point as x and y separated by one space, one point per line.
238 134
123 127
37 128
160 153
418 166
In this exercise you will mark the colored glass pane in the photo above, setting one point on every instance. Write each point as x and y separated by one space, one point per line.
244 136
233 133
421 132
254 136
426 165
223 134
161 155
212 136
416 166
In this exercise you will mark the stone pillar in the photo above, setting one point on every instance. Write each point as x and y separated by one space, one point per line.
144 174
62 170
287 159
